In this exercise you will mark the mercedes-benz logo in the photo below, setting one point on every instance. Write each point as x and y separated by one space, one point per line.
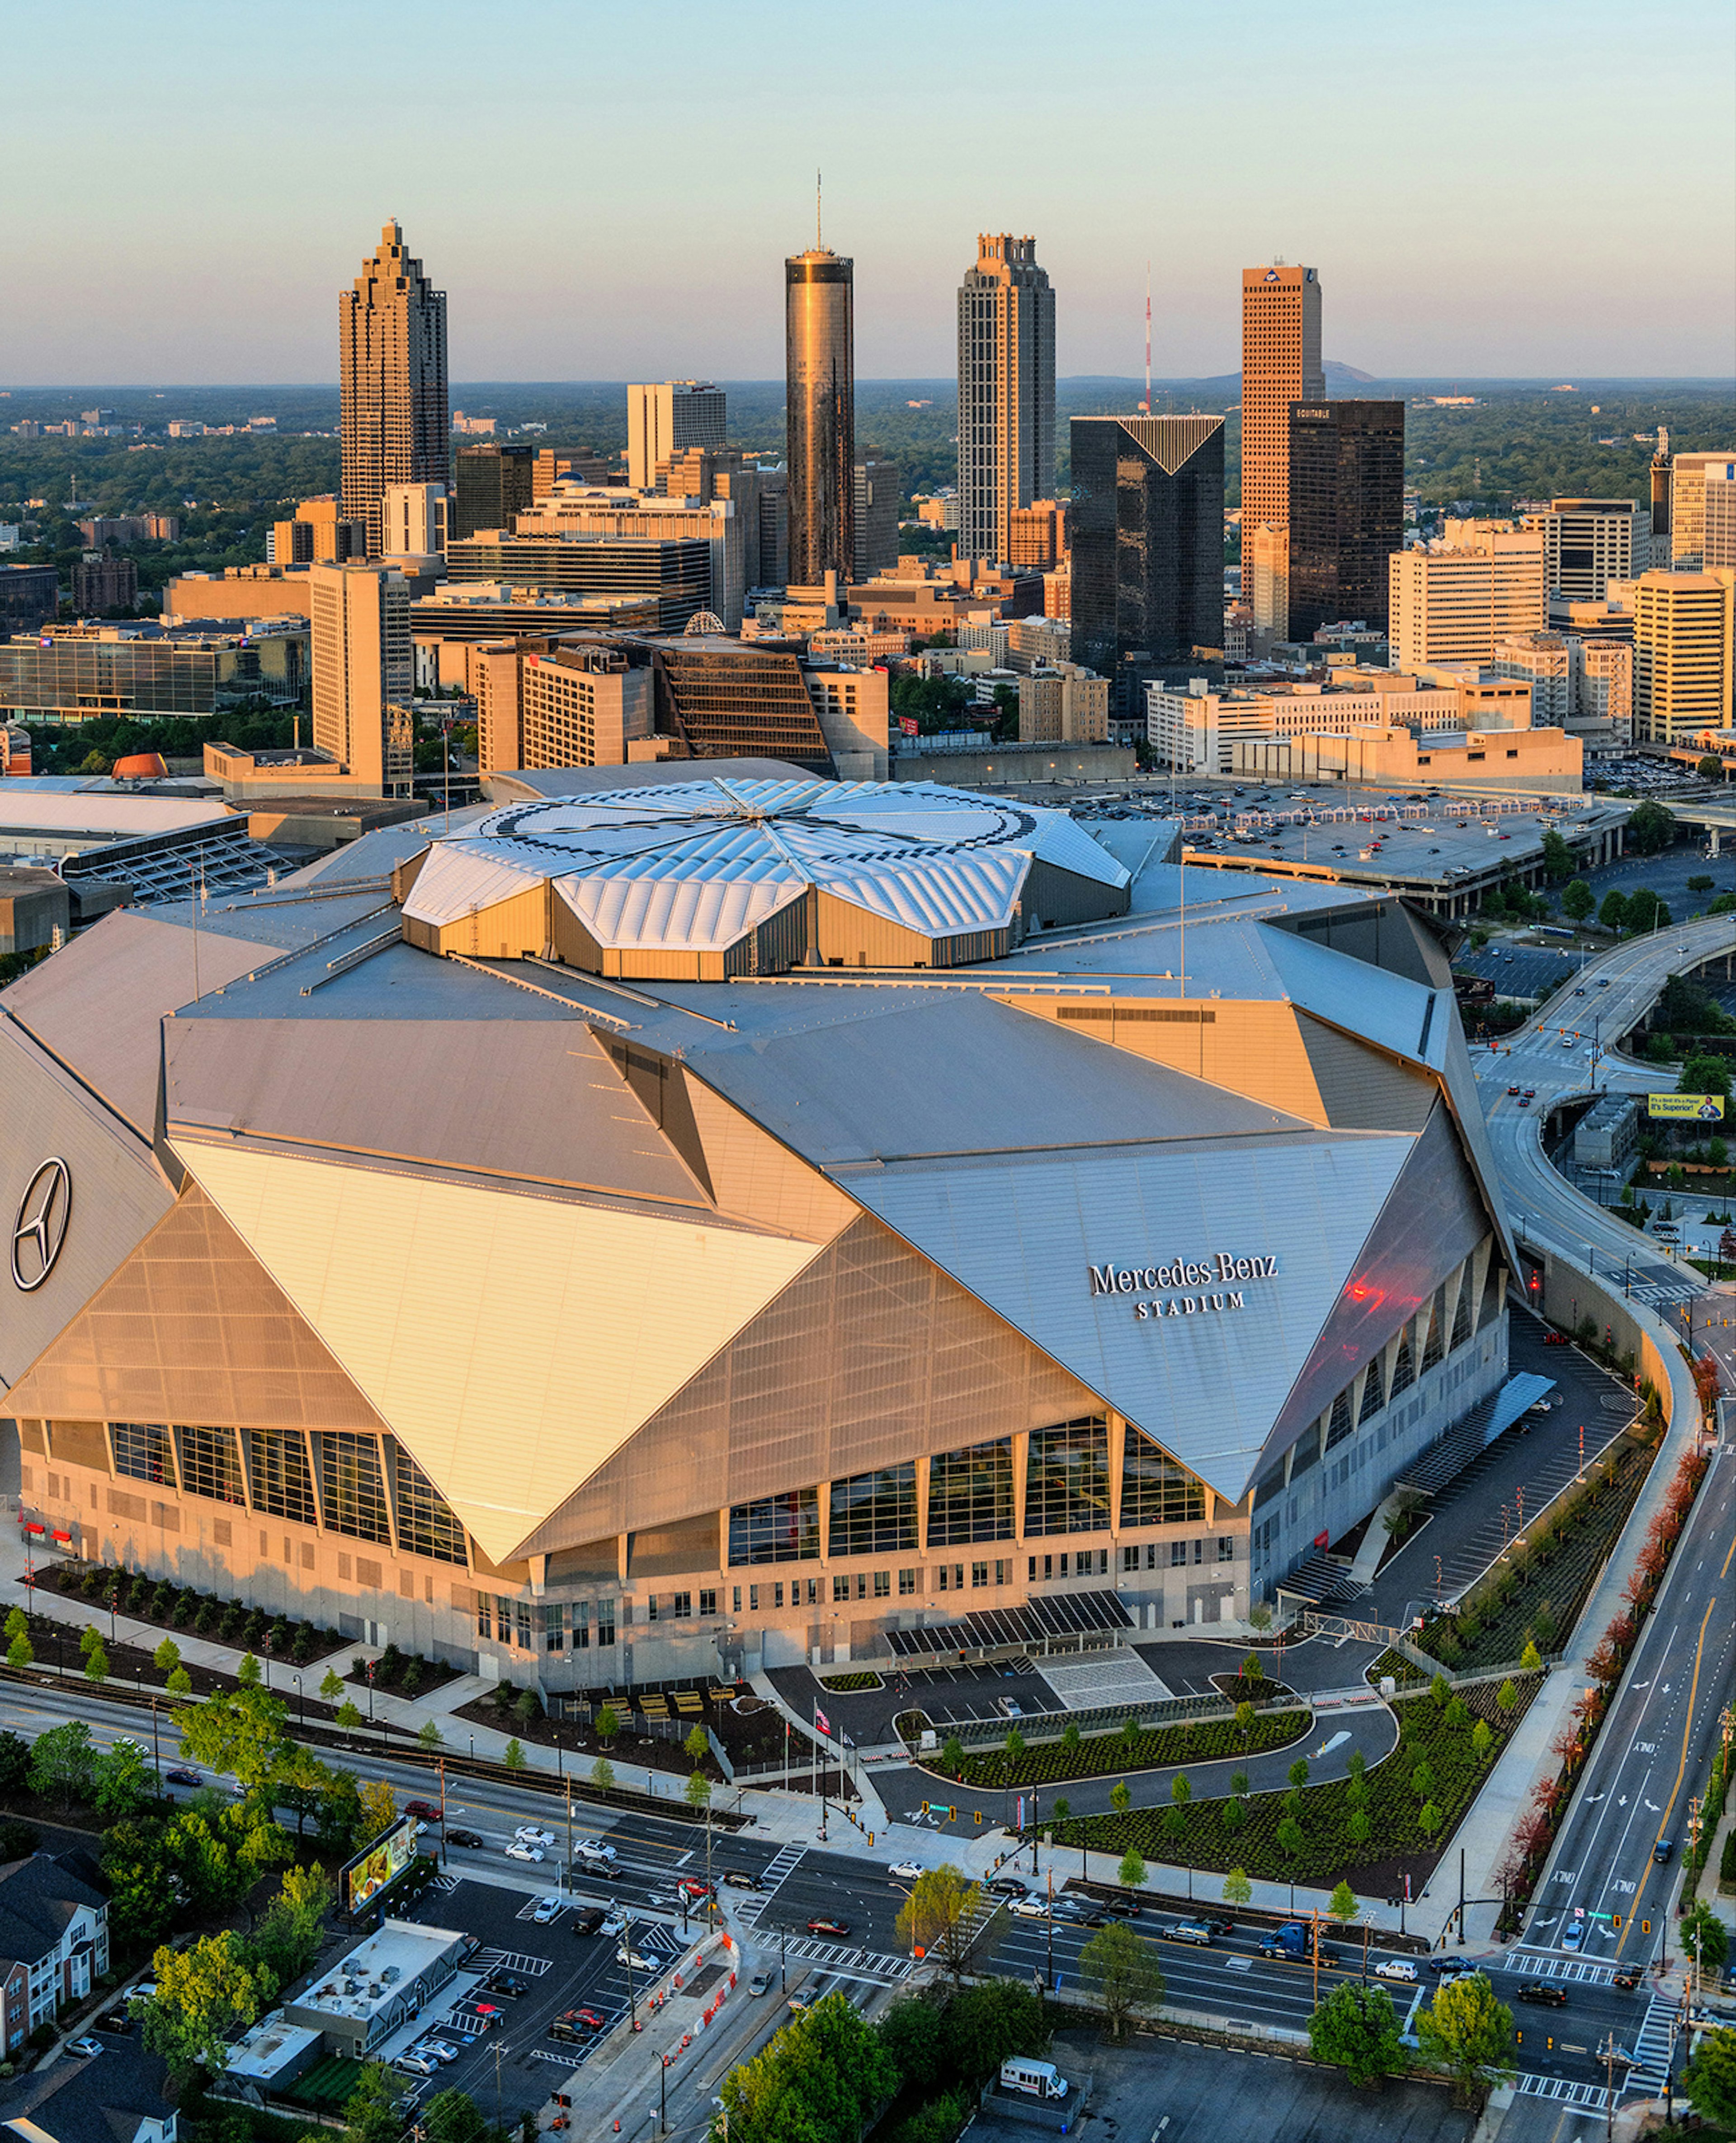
40 1227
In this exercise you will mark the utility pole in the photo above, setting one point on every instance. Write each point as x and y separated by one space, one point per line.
441 1766
569 1834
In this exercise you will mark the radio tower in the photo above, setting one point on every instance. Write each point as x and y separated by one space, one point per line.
1146 404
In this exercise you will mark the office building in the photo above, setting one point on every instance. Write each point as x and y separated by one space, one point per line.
1148 545
667 418
1006 392
318 535
1347 513
71 674
1451 600
1717 512
1684 664
820 415
877 493
413 523
798 1303
1587 543
1037 537
239 592
1687 508
727 526
29 598
392 374
101 585
1521 761
675 571
1063 706
492 484
1550 662
1281 364
1605 715
362 673
582 705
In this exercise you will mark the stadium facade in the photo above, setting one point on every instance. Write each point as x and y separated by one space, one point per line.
665 1226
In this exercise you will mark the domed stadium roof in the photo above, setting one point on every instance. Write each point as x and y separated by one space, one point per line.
713 877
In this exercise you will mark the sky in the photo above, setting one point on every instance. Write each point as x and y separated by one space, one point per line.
1503 188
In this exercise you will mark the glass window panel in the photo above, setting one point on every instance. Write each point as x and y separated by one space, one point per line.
142 1450
1067 1477
282 1482
427 1524
353 1486
776 1529
210 1464
1154 1490
874 1513
970 1494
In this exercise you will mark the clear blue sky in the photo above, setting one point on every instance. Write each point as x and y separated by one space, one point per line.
606 191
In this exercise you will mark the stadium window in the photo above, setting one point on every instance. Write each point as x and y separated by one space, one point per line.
1154 1490
906 1583
352 1485
970 1494
776 1529
874 1513
1067 1477
882 1584
605 1621
210 1465
142 1450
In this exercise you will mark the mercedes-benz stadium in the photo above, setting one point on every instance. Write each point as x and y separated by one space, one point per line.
672 1224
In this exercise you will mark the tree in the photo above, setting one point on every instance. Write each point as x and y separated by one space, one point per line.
1704 1075
821 2076
376 1814
205 1993
14 1761
1709 2078
90 1640
19 1653
1704 1935
1701 881
1557 858
1356 2029
1529 1660
1650 830
1014 1748
349 1714
1466 2031
1343 1905
1292 1842
1121 1797
602 1774
18 1625
216 1850
1069 1735
697 1792
1131 1873
1440 1690
1614 913
1578 901
937 1917
371 2114
986 2023
1482 1740
1122 1967
247 1673
1297 1774
63 1763
1245 1721
331 1686
240 1731
166 1657
1428 1819
512 1756
1506 1696
1236 1888
287 1937
1646 911
1709 767
952 1755
911 2032
607 1724
96 1666
122 1782
429 1735
1422 1780
451 2116
697 1747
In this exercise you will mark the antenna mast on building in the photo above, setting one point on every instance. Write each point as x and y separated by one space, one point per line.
819 240
1146 404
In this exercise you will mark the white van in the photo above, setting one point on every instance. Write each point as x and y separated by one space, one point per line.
1036 2079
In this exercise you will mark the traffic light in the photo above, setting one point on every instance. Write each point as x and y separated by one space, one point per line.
1615 1919
1645 1927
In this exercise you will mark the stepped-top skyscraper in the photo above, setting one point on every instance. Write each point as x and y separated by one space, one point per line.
1006 391
392 364
1281 364
820 373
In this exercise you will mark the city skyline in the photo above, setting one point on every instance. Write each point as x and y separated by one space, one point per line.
1409 218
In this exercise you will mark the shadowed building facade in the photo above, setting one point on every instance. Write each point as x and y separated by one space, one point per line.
395 427
1347 514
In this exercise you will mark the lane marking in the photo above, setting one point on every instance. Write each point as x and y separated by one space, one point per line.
1681 1770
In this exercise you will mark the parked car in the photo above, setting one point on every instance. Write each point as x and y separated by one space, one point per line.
415 2064
740 1878
576 2024
516 1850
532 1834
1122 1908
797 2005
587 1920
506 1983
545 1910
1395 1967
822 1923
440 2050
1221 1928
114 2020
615 1924
429 1811
182 1776
1543 1992
1187 1931
471 1840
633 1960
85 2047
1031 1908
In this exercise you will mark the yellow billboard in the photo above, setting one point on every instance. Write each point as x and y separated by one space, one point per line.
1698 1108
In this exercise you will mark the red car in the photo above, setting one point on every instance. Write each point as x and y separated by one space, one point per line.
825 1926
690 1886
424 1811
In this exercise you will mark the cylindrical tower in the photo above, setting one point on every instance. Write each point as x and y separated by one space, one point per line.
820 372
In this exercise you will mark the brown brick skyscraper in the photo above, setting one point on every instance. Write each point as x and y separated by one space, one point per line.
1280 364
392 364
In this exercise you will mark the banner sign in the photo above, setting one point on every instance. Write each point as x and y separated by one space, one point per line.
1697 1108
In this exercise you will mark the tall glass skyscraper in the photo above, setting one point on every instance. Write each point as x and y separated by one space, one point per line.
820 374
395 425
1148 544
1006 392
1346 511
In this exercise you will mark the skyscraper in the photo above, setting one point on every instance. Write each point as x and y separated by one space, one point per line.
820 381
363 674
494 484
1006 391
1452 600
392 367
1587 543
1687 508
1281 364
665 419
1347 513
1148 544
1684 654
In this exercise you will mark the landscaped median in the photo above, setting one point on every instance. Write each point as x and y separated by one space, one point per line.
1062 1752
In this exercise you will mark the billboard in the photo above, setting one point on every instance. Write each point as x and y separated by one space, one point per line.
378 1865
1698 1108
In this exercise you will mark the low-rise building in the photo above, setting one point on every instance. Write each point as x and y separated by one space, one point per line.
1067 705
241 595
380 1986
53 1940
1547 761
1608 1134
29 597
74 673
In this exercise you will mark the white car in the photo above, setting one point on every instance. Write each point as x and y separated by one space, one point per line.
633 1960
907 1871
1031 1908
591 1849
518 1850
615 1924
531 1833
1395 1967
546 1910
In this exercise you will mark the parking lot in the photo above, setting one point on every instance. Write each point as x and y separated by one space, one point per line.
510 2067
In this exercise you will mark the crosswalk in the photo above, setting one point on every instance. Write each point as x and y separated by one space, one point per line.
1653 2048
777 1872
1656 1293
1534 1966
1565 2089
840 1963
517 1961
